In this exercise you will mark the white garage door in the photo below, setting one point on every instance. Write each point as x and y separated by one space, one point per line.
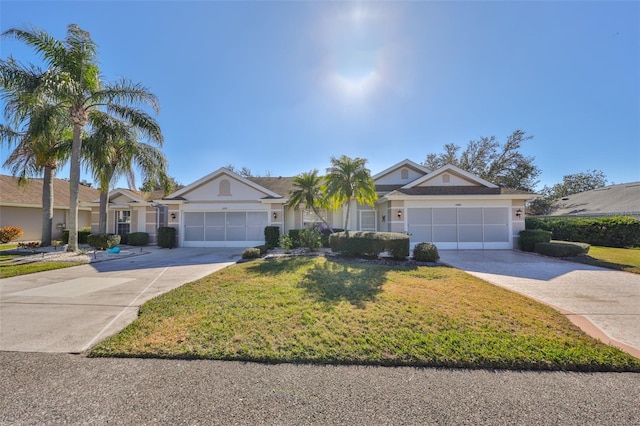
460 227
224 229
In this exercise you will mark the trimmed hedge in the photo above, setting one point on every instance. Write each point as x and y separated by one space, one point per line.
530 237
271 236
562 249
103 241
138 239
426 252
166 237
10 233
294 235
610 231
82 237
370 244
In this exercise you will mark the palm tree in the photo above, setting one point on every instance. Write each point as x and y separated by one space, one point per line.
348 179
73 83
38 141
113 149
308 191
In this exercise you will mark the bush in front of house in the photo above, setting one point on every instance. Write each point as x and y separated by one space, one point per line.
370 244
166 237
426 252
610 231
530 237
138 239
10 233
294 235
310 238
271 236
82 236
562 249
285 243
103 241
251 253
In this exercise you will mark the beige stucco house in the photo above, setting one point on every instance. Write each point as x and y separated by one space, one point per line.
449 207
21 206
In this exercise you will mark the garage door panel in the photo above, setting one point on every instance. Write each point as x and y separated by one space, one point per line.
469 234
496 216
445 216
420 233
214 233
470 216
445 234
496 233
420 216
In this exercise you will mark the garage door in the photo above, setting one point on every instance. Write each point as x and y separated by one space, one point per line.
224 229
460 227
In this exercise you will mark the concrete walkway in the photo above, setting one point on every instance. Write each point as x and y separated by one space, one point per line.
71 309
588 295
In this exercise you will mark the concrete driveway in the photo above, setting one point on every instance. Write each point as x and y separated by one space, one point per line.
589 296
70 310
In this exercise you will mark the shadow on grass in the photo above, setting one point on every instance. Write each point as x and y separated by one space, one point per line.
588 260
279 266
335 281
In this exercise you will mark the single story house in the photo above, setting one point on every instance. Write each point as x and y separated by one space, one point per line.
21 206
449 207
613 200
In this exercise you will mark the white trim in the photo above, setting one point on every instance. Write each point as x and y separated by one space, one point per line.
222 171
453 169
404 163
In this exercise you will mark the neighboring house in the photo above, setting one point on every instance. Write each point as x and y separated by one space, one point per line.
613 200
449 207
21 206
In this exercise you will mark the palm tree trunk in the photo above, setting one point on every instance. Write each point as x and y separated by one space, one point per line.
47 207
346 219
74 187
102 221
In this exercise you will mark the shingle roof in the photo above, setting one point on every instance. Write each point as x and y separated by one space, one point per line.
623 198
279 185
31 194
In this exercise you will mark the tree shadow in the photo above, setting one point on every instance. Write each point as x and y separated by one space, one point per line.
335 281
276 266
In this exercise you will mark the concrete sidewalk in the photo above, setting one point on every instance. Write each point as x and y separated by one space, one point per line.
603 302
69 310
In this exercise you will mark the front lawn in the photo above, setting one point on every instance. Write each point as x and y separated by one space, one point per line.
9 268
622 259
324 310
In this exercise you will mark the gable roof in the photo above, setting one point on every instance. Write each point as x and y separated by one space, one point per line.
450 168
31 195
279 185
623 199
404 163
134 196
222 171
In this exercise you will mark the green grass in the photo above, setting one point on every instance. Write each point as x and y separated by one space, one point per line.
621 259
9 269
323 310
8 246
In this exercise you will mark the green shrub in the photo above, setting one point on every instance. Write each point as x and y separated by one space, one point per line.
166 237
82 236
530 237
285 242
562 249
294 234
251 253
370 244
426 252
138 239
103 241
310 238
263 249
10 233
271 236
610 231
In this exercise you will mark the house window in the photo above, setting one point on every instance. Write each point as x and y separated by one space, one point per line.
224 189
123 222
446 178
310 218
404 174
163 215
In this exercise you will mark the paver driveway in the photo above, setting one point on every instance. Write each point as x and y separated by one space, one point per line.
69 310
609 299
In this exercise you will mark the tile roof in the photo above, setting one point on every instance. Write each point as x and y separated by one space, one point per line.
31 194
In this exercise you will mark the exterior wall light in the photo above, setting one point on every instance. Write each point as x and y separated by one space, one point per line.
275 215
173 216
399 213
518 213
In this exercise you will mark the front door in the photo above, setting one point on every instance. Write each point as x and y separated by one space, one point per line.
123 222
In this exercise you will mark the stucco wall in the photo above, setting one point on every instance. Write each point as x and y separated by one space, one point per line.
30 220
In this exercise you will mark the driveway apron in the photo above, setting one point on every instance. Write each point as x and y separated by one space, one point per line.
70 310
607 299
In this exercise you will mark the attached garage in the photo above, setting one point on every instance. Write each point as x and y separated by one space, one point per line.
224 228
460 227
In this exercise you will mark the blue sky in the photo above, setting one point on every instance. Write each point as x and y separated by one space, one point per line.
280 87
